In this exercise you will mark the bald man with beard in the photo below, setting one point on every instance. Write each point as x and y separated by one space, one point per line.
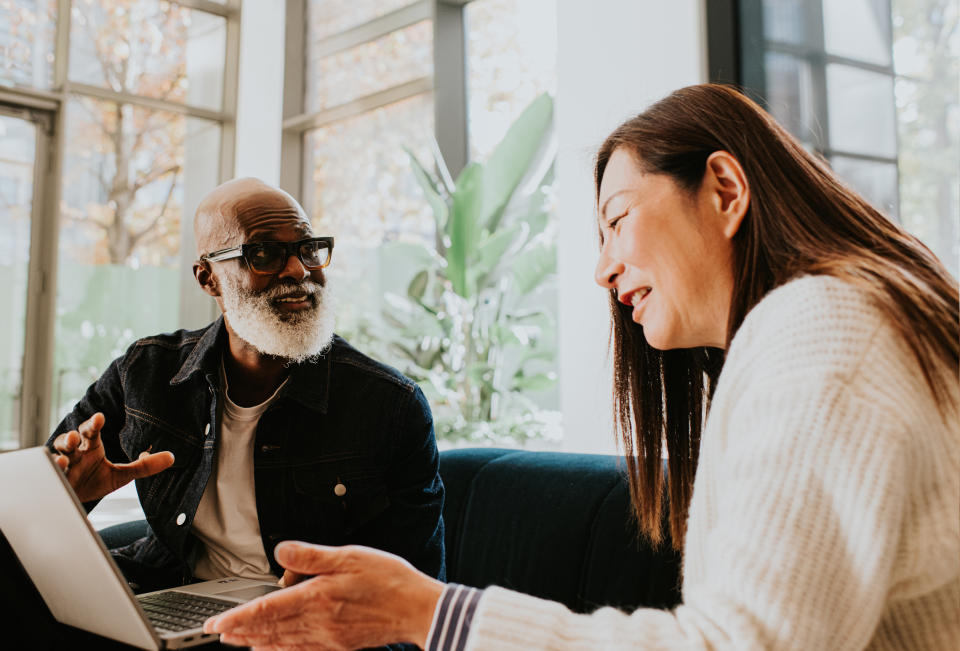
262 427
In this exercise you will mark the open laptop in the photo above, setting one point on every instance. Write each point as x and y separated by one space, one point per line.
47 528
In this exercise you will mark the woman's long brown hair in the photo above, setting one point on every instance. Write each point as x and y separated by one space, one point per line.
801 220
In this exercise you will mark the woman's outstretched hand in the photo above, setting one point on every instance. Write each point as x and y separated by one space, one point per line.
355 597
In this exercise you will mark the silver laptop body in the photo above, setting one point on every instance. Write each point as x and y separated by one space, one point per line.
48 530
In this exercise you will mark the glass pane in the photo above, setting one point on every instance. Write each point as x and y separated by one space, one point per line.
928 118
876 181
328 17
391 60
17 153
150 48
27 36
858 29
367 195
131 177
512 49
860 104
785 20
790 96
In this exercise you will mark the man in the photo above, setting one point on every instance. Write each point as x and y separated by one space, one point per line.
262 427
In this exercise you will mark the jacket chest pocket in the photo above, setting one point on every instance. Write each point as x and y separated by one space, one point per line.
339 496
142 434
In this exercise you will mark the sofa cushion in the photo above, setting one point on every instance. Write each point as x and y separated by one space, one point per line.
554 525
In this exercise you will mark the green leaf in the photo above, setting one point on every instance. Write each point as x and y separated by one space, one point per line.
512 157
538 223
443 172
410 254
533 267
431 191
517 316
536 355
418 286
492 249
464 227
535 382
503 335
479 372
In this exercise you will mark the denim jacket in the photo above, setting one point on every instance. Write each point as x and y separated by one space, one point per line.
344 419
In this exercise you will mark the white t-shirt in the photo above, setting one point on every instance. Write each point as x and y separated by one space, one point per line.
226 521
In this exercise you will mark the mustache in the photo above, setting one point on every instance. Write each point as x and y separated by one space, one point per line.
308 287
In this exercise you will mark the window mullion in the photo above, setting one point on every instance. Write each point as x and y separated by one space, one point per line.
61 53
818 76
372 30
450 85
292 166
41 296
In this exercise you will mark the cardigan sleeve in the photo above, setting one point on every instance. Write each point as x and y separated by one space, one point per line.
450 628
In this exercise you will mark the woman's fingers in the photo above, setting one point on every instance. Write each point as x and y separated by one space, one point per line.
308 559
261 616
358 598
291 578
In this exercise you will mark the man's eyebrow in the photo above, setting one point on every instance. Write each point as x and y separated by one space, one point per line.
603 208
270 235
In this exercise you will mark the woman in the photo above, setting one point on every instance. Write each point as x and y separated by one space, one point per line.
819 507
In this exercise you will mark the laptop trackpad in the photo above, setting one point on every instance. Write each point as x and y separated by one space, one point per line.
251 592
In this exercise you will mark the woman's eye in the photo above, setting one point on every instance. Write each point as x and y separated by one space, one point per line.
616 220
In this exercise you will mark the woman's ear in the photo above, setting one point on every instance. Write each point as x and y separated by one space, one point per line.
206 278
728 189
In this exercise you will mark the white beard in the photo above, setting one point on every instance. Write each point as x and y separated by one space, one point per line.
297 336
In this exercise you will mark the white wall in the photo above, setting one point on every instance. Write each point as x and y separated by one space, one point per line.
615 57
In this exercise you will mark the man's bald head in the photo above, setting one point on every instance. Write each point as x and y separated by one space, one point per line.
234 211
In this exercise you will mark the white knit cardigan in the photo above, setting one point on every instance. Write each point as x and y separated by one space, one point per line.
826 506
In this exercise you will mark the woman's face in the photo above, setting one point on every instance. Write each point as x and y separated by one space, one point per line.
668 252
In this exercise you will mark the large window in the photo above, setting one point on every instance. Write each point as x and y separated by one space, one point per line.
511 59
135 95
377 85
18 158
874 86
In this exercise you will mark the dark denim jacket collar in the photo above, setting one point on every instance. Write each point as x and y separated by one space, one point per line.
205 356
309 382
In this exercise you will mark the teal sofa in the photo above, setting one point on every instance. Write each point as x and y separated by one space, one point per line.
555 525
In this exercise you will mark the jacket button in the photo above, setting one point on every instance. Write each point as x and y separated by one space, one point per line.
181 519
339 490
206 430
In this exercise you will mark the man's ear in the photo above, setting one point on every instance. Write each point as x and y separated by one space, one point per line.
206 278
728 190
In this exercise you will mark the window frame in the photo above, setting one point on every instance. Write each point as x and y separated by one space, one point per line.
737 45
448 82
48 109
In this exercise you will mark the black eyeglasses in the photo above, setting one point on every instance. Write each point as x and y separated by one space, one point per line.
271 257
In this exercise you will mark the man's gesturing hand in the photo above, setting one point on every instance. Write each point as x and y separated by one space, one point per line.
359 597
80 454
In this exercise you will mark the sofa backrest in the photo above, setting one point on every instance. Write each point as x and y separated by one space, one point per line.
551 524
554 525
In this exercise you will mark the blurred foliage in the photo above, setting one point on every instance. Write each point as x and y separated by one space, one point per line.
103 309
469 328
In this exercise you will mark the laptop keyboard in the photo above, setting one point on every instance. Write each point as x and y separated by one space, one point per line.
179 611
